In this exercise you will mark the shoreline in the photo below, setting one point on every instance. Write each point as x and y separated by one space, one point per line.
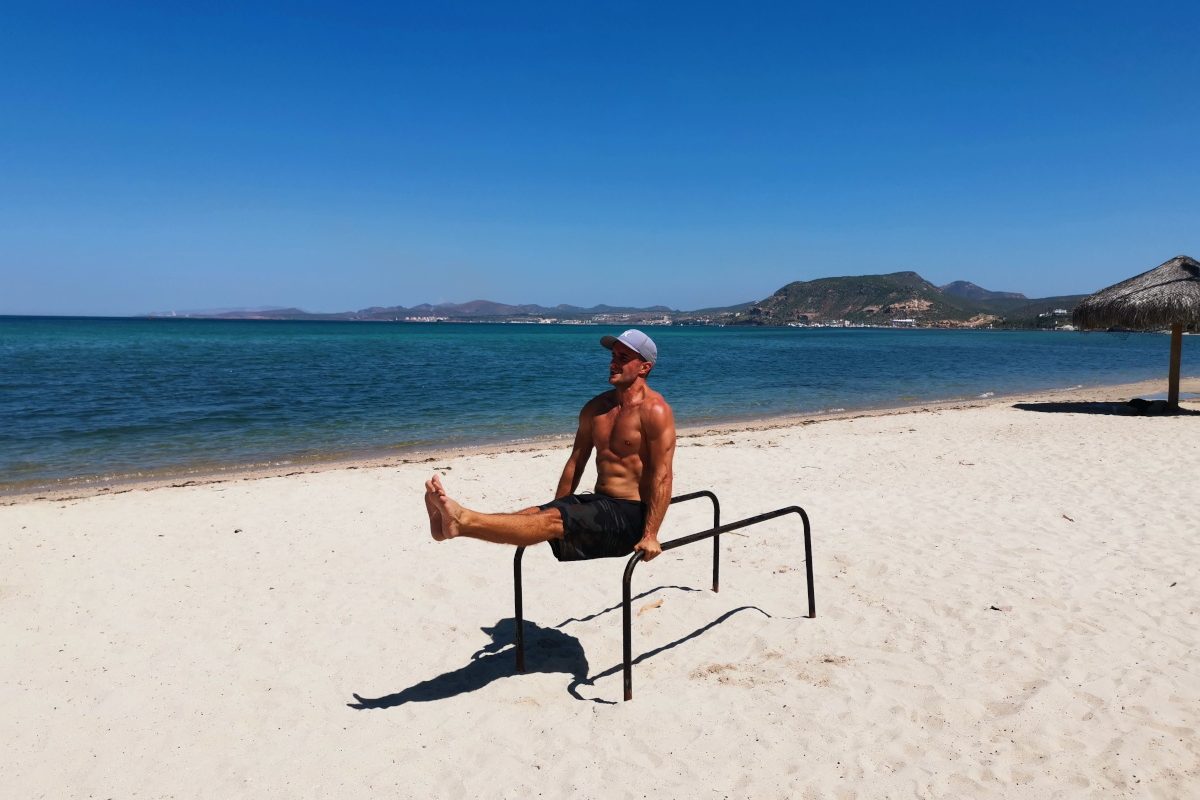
168 478
1005 593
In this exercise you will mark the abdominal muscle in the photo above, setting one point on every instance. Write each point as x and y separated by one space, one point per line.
619 477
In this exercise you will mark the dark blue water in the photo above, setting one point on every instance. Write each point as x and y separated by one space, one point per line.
110 398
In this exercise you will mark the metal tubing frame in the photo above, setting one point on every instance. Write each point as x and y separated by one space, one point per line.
626 604
517 593
519 617
713 533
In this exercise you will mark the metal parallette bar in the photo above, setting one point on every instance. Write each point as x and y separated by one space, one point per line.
627 625
626 590
716 524
519 611
520 619
716 545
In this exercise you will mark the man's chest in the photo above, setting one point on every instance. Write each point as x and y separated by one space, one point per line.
618 431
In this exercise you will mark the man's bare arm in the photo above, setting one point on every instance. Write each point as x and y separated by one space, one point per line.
581 451
659 429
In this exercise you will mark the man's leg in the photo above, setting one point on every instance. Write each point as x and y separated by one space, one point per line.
449 519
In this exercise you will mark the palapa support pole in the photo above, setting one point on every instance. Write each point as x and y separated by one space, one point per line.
1176 357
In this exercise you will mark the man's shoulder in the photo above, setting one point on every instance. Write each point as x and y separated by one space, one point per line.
600 402
657 409
654 399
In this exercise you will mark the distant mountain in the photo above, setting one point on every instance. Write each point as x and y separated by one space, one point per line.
1039 313
862 298
880 299
218 312
969 291
249 313
473 310
482 309
856 299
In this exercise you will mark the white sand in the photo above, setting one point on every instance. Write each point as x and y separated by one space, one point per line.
1007 607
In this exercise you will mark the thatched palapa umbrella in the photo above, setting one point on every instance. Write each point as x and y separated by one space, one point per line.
1167 296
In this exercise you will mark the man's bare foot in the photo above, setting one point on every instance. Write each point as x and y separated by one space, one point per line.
450 511
434 511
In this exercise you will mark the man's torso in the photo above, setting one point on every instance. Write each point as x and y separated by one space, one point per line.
619 438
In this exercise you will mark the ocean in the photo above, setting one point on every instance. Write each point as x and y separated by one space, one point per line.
87 399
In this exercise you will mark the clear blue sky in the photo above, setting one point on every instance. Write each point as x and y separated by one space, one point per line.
331 157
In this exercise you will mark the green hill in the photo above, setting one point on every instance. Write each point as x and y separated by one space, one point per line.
859 299
977 294
1040 313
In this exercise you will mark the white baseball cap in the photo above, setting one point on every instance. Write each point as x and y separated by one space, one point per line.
636 341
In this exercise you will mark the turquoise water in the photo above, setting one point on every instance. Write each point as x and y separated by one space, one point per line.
82 399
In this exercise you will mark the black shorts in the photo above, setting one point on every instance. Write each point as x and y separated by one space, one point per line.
597 526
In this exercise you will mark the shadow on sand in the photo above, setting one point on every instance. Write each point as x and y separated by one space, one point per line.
1134 408
547 650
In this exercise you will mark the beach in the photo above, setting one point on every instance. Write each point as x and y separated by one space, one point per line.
1006 593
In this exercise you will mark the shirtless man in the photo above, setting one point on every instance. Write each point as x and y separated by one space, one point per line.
632 430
